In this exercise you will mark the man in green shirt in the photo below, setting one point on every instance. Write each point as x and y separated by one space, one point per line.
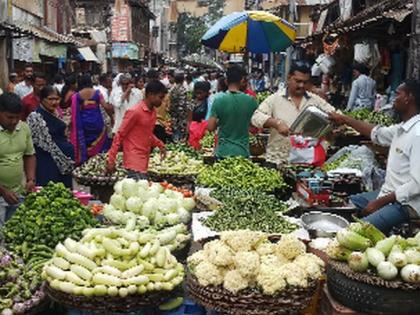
17 156
232 113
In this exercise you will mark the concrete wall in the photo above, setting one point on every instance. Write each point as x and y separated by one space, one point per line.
233 6
21 16
191 6
3 10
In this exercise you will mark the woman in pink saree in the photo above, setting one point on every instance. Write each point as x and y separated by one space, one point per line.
88 130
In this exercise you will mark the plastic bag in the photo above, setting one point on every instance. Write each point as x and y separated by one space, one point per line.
197 131
363 159
305 150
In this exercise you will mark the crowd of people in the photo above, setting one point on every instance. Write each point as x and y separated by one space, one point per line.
49 128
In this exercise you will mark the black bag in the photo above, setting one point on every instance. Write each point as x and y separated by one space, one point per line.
199 112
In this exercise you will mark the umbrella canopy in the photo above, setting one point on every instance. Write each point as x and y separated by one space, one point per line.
250 31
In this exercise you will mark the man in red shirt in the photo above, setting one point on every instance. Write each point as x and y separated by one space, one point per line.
31 101
136 133
246 89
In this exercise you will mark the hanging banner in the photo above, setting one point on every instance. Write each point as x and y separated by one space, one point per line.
48 49
23 49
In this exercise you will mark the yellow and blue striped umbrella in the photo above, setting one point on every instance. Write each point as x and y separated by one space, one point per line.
250 31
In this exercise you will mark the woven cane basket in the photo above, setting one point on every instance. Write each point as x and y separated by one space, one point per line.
110 304
251 302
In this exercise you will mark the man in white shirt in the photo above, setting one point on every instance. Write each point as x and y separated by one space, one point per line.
280 110
58 82
26 86
363 90
399 197
124 97
104 86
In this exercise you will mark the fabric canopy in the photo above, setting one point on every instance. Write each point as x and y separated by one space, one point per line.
88 54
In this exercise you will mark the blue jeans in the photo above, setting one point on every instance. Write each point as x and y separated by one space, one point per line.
136 175
387 217
7 211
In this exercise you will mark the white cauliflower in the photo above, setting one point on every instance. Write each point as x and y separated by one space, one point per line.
247 263
208 274
219 253
294 275
290 247
266 249
243 240
234 281
283 260
270 279
196 259
312 264
271 261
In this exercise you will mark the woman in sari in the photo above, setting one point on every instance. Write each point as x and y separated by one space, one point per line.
88 130
54 153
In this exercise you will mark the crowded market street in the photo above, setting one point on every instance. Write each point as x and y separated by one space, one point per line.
209 157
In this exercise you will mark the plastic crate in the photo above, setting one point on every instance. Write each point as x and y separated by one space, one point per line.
329 306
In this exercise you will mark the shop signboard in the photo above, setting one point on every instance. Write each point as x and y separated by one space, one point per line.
125 51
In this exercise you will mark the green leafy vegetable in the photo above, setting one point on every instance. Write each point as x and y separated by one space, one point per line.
240 173
46 218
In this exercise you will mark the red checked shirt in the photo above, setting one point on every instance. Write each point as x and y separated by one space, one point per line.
137 138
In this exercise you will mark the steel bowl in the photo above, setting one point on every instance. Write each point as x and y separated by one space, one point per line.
322 224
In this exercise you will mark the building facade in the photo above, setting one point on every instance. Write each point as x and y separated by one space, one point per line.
36 32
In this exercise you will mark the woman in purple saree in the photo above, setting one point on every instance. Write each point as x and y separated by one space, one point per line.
88 130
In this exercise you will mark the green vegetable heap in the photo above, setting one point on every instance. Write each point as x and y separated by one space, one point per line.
207 142
181 147
46 218
179 163
372 117
335 164
365 249
262 96
94 169
240 173
248 209
19 285
109 261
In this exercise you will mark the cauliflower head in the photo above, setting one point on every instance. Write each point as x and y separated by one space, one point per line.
272 261
196 258
290 247
234 281
294 275
218 253
270 280
208 274
247 263
312 264
243 240
266 249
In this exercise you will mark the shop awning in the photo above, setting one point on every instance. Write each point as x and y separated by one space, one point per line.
88 54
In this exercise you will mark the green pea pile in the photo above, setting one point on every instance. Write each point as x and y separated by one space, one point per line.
248 209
